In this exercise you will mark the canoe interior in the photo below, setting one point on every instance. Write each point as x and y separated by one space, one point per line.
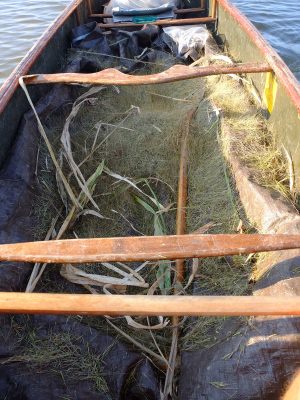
214 205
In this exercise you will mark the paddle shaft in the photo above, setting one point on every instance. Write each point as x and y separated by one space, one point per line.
144 248
80 304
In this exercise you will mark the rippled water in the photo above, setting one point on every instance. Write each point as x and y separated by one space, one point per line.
23 21
279 21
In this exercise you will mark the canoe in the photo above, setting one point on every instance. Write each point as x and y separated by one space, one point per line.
220 358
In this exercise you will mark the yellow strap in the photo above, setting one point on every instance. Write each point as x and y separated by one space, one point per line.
270 91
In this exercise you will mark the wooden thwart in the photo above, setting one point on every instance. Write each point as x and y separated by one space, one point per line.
143 248
181 11
160 22
80 304
112 76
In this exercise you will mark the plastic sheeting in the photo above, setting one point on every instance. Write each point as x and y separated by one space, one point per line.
130 48
190 40
134 47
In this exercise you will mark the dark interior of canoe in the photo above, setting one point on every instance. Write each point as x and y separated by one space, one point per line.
149 228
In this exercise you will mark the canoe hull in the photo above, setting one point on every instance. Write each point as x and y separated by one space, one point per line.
280 95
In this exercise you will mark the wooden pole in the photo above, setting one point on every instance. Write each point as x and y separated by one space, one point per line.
142 248
111 76
85 304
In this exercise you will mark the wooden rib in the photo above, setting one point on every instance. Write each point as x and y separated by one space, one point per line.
181 11
161 22
89 7
214 9
77 16
80 304
112 76
144 248
180 230
182 191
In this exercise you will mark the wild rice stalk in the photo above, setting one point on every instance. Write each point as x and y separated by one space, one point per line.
66 142
48 144
157 357
36 268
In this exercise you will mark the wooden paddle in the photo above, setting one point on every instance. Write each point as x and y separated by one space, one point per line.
144 248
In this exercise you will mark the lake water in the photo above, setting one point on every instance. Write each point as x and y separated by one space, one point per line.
23 21
279 21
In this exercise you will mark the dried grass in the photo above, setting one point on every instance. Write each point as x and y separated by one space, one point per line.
65 354
250 137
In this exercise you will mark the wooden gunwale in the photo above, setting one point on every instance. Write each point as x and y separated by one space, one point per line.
120 305
281 70
12 82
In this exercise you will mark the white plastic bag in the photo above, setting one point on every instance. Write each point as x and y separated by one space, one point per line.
190 40
138 4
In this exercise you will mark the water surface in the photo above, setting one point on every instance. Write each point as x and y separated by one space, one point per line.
279 22
23 21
